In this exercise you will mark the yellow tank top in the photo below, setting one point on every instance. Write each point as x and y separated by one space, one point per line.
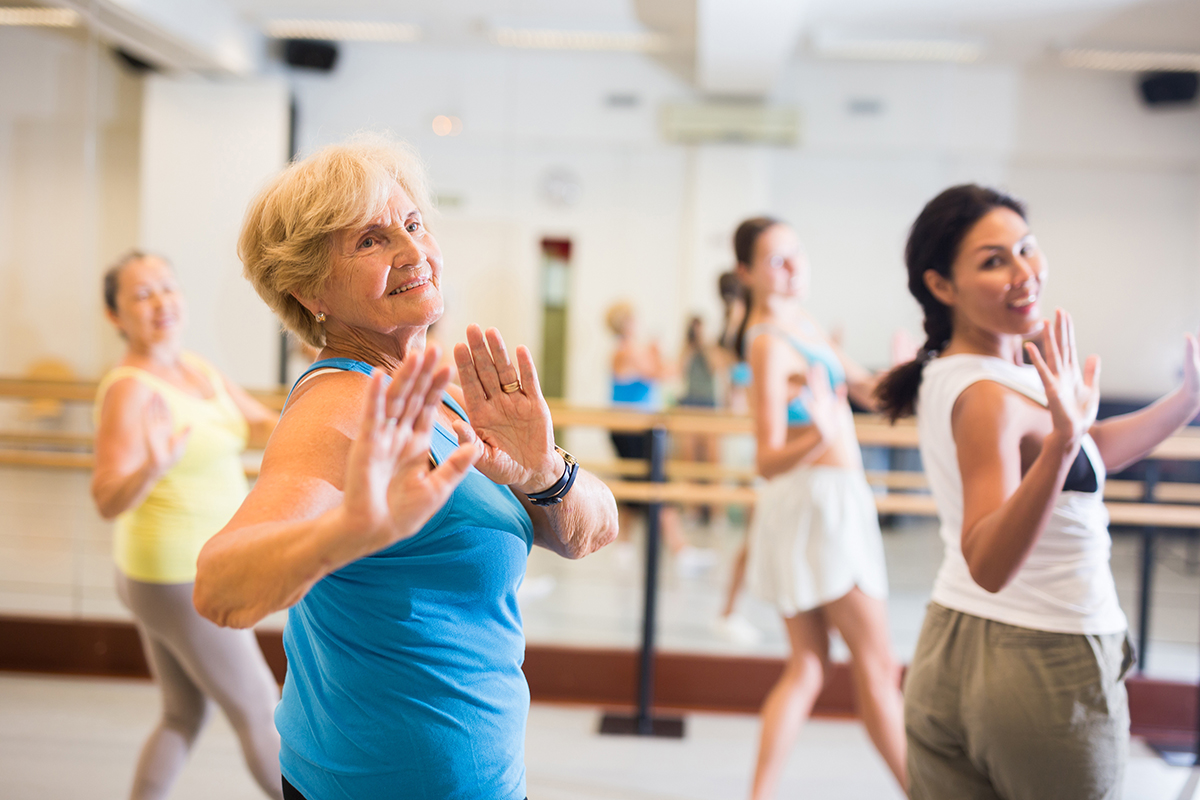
159 540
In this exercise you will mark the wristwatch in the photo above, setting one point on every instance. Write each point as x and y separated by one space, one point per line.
558 491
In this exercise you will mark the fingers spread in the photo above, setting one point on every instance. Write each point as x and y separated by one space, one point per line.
455 467
530 384
1043 370
485 367
1091 372
473 391
505 371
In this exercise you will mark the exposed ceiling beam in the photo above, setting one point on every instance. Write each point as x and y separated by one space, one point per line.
743 45
177 35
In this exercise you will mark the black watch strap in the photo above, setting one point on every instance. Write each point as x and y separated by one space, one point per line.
558 491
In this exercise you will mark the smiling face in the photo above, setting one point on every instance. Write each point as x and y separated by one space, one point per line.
779 266
385 275
997 277
150 309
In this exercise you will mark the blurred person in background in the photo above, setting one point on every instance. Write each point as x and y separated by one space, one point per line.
730 623
700 363
815 550
638 372
170 430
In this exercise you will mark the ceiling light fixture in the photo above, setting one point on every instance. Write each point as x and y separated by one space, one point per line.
541 39
941 50
1130 60
341 30
39 17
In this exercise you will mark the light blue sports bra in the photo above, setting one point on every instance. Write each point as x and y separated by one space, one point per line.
797 409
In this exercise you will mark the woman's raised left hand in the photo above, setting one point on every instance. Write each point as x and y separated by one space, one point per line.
514 427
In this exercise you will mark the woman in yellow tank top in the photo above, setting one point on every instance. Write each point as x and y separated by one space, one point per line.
169 435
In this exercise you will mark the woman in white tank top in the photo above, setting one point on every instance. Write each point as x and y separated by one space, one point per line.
1015 690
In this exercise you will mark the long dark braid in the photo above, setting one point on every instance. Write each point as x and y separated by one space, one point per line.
933 244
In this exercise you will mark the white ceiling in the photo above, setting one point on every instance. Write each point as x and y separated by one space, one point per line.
710 40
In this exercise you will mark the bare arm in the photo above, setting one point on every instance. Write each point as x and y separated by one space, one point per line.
517 438
262 420
775 453
1003 513
135 446
332 489
581 524
1129 438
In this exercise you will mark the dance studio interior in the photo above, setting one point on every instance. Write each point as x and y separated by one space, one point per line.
670 220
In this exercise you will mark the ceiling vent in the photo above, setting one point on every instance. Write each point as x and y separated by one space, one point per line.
741 123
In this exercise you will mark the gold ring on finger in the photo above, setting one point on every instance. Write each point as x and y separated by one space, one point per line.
509 388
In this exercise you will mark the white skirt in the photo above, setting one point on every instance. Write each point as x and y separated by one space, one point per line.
814 537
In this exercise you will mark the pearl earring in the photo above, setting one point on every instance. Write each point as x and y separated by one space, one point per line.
320 316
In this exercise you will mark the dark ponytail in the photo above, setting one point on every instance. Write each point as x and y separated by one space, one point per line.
933 244
745 238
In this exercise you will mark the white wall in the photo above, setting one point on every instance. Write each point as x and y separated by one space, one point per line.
68 195
1110 186
1113 192
207 148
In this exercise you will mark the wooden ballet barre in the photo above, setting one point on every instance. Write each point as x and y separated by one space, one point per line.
78 441
60 460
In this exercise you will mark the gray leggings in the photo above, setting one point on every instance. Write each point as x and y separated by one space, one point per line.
192 659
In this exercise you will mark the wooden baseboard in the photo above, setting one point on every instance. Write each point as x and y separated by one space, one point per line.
1162 711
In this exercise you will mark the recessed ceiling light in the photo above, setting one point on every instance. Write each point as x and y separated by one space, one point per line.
543 39
1131 60
341 30
447 125
866 49
39 17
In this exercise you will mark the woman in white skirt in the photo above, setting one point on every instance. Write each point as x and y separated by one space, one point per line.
815 548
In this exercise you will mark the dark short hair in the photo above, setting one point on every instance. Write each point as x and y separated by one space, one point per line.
112 277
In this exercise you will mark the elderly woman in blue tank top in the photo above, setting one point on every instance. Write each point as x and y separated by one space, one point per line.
394 513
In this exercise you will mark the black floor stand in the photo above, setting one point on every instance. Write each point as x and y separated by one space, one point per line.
644 723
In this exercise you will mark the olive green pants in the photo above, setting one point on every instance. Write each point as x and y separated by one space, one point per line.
997 712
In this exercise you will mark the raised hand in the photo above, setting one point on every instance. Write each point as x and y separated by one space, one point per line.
164 447
509 416
1191 367
1072 395
391 487
823 406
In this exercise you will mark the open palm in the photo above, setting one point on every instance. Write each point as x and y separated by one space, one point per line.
514 426
391 487
1072 394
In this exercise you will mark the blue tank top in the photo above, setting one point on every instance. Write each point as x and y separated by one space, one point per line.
797 408
404 668
635 393
740 375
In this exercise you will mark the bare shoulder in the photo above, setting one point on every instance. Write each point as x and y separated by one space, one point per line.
987 411
125 395
314 434
769 353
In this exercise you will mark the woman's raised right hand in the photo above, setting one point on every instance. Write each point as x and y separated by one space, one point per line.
1072 394
391 487
164 447
823 406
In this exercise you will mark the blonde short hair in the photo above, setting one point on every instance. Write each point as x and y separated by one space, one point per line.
287 236
619 316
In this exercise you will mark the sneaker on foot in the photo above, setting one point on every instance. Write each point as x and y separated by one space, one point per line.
737 629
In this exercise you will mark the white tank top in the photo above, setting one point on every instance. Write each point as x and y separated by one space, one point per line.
1066 583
